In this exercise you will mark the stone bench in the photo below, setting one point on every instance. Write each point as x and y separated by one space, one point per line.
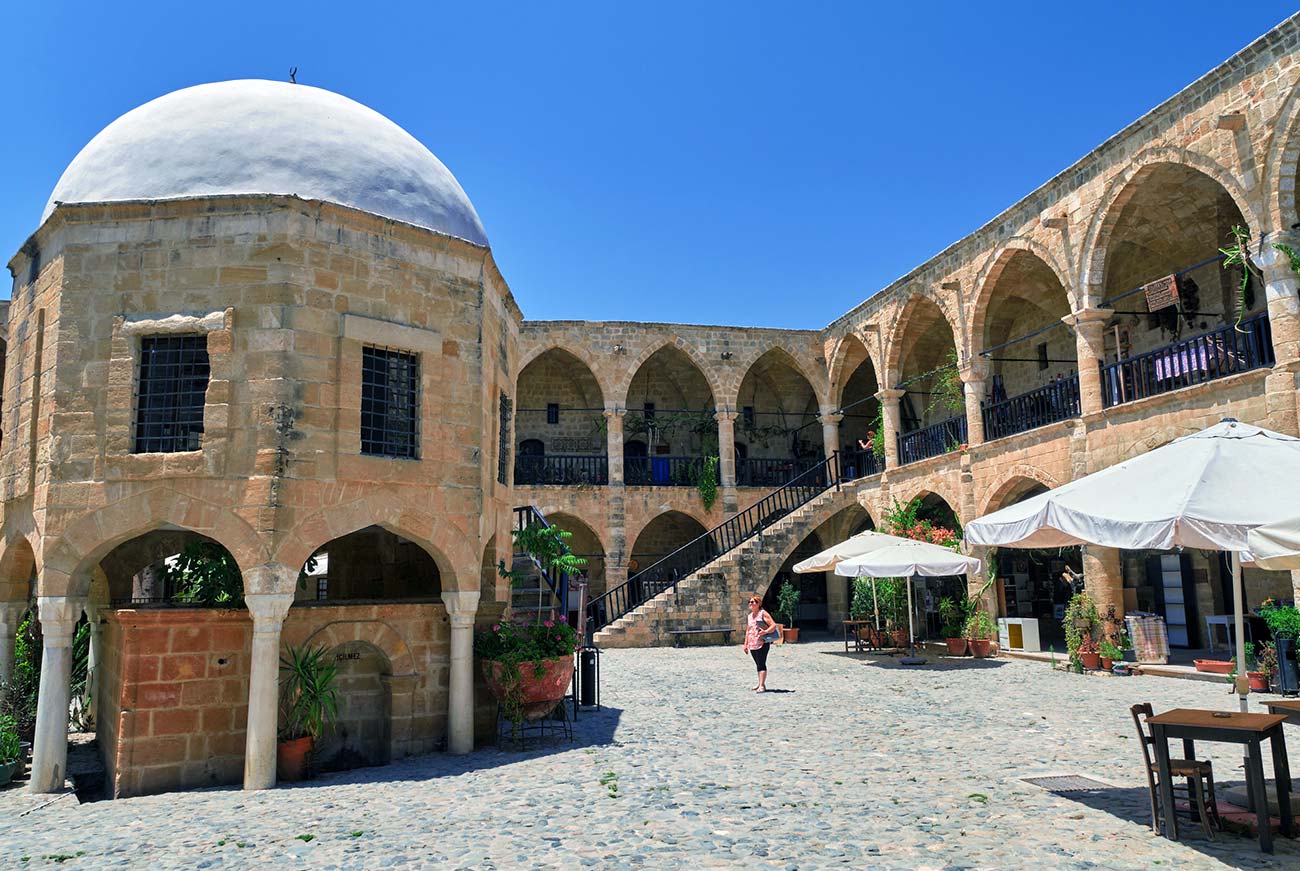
679 634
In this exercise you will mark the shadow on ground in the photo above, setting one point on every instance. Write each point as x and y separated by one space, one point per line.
932 662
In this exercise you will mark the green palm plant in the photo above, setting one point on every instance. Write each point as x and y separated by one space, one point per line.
308 700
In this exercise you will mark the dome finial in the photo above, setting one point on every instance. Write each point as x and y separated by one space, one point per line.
293 72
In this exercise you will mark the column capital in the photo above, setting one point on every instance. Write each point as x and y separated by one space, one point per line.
723 415
614 413
59 616
1275 264
461 607
830 417
890 394
1088 316
271 578
974 370
10 614
268 610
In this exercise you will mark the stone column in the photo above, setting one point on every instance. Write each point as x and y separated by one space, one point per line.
461 607
830 421
614 444
889 398
58 616
94 659
727 458
11 614
974 377
1089 336
1103 577
268 611
1280 285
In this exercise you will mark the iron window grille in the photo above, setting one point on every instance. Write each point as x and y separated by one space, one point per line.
390 403
507 408
171 384
552 413
322 588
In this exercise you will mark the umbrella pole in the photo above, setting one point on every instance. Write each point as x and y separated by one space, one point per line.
1239 620
875 604
911 658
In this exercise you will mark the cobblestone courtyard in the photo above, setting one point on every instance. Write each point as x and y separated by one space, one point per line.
859 763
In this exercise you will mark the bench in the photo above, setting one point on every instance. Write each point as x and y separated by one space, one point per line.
679 634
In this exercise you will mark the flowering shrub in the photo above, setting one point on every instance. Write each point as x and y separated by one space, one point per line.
513 643
903 520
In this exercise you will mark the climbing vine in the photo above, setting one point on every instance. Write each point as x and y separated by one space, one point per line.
708 482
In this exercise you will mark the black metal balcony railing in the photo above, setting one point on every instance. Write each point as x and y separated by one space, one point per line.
667 571
1217 354
561 469
768 472
1039 407
664 471
933 440
860 464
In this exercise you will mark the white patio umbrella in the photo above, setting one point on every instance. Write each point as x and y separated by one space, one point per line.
853 546
908 559
1205 490
1277 545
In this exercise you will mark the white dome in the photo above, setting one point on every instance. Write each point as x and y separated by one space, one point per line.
260 137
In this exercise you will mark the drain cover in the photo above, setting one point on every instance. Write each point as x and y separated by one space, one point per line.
1066 783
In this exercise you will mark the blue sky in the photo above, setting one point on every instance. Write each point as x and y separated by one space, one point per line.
750 163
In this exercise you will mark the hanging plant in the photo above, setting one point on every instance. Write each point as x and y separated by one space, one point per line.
1238 254
708 483
876 433
948 393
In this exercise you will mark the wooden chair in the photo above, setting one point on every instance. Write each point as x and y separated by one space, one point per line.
1199 775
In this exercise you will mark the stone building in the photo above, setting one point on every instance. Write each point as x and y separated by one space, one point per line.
262 317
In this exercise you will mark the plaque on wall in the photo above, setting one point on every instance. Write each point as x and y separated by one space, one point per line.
1161 293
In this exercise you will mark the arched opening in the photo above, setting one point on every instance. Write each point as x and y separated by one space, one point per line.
927 592
659 538
812 611
1172 220
585 543
362 733
777 423
670 409
559 424
1033 377
489 577
1031 584
371 564
932 419
862 437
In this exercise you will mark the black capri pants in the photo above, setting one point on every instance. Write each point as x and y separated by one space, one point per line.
760 656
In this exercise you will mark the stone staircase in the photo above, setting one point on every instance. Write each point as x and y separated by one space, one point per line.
714 595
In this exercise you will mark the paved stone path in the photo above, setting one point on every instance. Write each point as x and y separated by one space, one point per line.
862 764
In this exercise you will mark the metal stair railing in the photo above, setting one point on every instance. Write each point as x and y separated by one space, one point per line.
721 539
528 515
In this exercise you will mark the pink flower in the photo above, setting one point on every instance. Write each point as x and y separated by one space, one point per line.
549 623
496 628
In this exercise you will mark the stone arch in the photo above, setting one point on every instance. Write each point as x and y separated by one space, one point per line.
585 542
734 379
454 550
17 563
986 283
685 527
907 316
1121 190
851 352
582 355
930 489
376 633
679 345
775 393
83 544
1014 484
1281 163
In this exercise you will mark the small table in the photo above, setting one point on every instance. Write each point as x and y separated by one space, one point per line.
1235 728
851 628
1289 708
1227 621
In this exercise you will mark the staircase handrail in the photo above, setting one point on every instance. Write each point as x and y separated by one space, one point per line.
525 516
718 541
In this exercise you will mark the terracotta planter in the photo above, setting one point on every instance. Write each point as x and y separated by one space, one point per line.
956 646
900 637
1213 666
291 758
1258 683
981 647
1106 663
541 690
789 636
1091 661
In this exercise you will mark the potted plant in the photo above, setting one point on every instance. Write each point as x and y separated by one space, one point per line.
862 606
1081 622
10 748
787 603
1284 622
953 615
528 666
1266 662
1090 653
1110 654
981 632
308 707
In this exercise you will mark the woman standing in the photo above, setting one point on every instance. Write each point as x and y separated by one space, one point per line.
760 624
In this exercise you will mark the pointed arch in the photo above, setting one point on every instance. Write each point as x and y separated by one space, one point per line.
994 269
1281 163
917 310
851 352
577 355
735 379
1014 485
676 346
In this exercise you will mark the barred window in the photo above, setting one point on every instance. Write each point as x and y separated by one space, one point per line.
390 403
503 440
170 387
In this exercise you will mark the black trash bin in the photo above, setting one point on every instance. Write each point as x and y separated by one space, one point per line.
589 678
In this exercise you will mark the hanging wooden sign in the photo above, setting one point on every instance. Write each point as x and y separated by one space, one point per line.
1161 293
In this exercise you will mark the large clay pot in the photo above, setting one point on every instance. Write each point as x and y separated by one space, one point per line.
900 637
1213 666
1106 663
956 646
981 647
1091 661
541 689
291 758
1258 683
790 636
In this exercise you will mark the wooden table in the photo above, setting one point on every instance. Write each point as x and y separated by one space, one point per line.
1233 728
1289 708
851 628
